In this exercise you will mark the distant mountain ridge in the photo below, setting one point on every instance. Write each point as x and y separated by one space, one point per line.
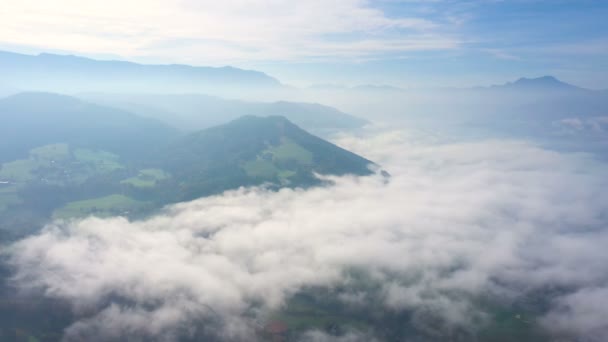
534 83
539 83
36 118
68 73
75 74
192 112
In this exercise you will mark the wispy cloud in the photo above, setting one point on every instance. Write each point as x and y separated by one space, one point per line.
219 32
501 54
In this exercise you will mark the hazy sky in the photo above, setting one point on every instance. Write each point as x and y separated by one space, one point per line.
398 42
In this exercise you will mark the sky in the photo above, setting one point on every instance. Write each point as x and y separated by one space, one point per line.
405 43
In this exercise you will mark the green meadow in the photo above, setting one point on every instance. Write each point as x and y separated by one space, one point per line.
102 206
146 178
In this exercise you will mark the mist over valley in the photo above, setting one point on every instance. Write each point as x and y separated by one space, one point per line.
315 171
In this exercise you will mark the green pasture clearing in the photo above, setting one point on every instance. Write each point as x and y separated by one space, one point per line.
18 171
283 174
51 152
103 161
271 162
57 157
102 206
146 178
260 168
158 174
289 150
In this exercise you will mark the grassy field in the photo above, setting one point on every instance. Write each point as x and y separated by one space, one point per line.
22 170
260 168
51 152
271 163
284 174
103 161
146 178
18 170
289 150
58 157
102 206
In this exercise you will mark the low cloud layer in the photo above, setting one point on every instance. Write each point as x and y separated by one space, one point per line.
455 222
592 125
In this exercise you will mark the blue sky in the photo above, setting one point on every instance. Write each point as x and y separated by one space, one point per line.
500 40
398 42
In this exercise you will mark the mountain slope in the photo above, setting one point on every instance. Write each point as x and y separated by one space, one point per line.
34 119
79 159
197 111
253 150
59 73
313 116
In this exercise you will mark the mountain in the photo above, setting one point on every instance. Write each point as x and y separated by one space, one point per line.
36 119
69 74
313 116
61 157
254 150
544 100
196 111
545 83
545 110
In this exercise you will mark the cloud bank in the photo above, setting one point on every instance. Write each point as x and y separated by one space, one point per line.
455 223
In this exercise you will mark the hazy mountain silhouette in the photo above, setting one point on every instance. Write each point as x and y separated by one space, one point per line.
34 119
67 73
544 83
197 111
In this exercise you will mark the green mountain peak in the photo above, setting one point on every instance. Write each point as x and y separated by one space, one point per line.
253 150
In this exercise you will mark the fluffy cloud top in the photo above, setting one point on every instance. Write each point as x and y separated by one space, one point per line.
455 221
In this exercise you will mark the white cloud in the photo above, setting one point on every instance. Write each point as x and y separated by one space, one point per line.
592 125
455 221
583 312
215 32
